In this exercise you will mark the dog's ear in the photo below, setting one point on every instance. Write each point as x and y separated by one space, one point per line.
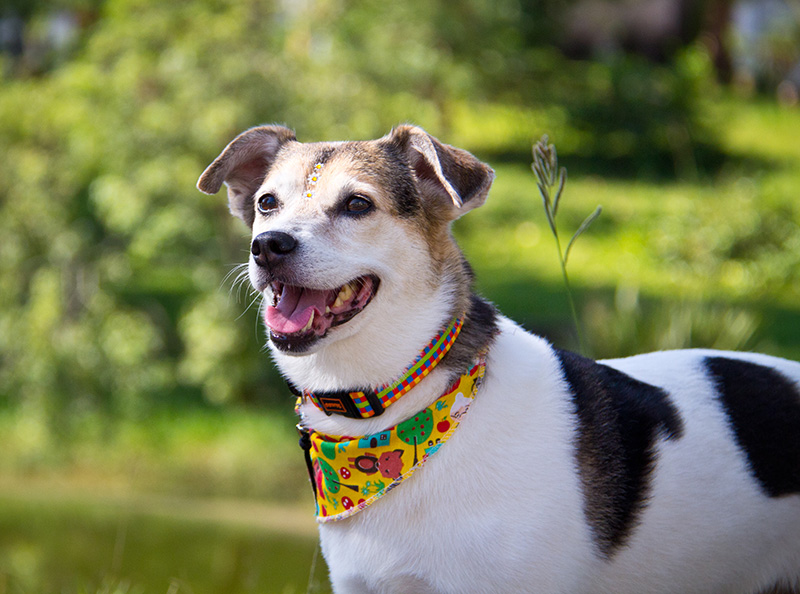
243 165
454 179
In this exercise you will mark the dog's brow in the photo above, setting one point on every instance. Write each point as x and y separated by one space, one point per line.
322 156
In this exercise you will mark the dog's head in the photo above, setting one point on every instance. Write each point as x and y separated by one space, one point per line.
345 233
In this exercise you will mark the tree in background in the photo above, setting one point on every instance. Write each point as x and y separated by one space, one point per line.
110 293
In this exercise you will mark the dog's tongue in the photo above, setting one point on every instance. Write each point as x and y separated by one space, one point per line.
294 309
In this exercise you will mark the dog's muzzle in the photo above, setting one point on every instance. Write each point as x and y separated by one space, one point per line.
298 315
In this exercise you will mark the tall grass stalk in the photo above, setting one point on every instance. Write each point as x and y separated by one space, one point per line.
550 177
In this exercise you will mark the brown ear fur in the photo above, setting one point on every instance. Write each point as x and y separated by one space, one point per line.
451 176
242 167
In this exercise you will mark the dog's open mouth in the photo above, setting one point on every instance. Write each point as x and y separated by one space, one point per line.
298 316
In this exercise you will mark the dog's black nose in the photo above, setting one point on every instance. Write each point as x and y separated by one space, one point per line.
269 247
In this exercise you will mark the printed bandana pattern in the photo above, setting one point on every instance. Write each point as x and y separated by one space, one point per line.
352 472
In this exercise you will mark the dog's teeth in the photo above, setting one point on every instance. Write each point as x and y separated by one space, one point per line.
327 309
345 293
277 290
310 321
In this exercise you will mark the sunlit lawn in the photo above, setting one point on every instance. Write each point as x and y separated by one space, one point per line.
718 254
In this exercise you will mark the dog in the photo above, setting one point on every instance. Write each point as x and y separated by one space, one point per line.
518 467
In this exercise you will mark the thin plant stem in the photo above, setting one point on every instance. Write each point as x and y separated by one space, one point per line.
573 310
549 176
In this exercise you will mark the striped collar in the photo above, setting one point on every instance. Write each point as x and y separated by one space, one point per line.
365 403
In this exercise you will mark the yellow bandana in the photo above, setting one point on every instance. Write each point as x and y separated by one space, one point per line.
351 472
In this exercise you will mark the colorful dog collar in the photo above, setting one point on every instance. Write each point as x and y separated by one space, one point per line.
350 473
366 403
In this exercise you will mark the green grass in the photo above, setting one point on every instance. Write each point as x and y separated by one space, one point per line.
723 245
174 503
197 453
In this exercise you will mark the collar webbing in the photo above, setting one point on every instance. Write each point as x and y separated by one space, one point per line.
366 403
349 473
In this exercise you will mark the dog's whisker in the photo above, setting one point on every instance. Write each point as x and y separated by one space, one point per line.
239 284
255 297
235 269
241 272
242 284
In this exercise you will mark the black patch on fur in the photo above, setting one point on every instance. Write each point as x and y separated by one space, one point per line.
763 408
619 421
402 186
478 332
780 588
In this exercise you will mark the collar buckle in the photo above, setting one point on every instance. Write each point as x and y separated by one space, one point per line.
349 404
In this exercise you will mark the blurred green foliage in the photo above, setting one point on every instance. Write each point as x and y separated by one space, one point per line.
112 300
112 263
131 358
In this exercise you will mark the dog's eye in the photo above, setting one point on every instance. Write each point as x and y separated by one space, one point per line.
357 204
267 203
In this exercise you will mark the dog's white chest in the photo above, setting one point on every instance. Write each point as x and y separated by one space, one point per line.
499 495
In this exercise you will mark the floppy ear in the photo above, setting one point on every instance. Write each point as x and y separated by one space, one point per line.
449 178
243 165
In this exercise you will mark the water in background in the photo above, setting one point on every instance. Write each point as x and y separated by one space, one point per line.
82 548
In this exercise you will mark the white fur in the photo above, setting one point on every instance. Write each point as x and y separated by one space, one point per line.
706 528
500 508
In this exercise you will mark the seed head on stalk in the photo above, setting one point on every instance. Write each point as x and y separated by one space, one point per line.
551 180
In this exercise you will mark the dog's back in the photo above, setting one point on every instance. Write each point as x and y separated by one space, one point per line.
721 505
